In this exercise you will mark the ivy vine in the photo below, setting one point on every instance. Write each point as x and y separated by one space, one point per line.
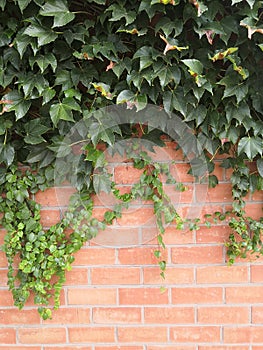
63 60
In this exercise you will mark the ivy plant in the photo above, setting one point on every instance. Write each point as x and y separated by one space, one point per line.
63 60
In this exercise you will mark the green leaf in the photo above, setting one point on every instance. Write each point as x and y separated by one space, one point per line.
60 11
23 4
119 12
48 94
168 75
251 146
2 4
43 34
43 61
63 110
17 103
194 66
7 154
239 90
34 129
102 183
147 55
125 96
260 166
22 42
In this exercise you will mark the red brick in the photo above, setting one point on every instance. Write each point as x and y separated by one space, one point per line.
171 347
94 256
242 294
222 274
115 236
118 347
257 314
173 275
64 348
169 315
137 217
91 296
179 171
65 315
10 347
172 236
77 276
175 236
91 335
13 316
222 193
197 255
127 174
177 197
7 336
116 315
142 296
192 295
49 217
216 234
142 334
223 347
42 335
3 278
257 273
55 196
241 335
254 210
195 334
3 260
257 196
223 315
137 256
115 275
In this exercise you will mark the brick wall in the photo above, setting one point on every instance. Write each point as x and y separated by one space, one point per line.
112 297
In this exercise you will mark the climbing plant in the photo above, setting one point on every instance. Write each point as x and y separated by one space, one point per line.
62 61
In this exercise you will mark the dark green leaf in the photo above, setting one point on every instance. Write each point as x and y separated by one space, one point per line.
17 103
260 166
60 11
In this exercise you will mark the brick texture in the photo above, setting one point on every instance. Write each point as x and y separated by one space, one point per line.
112 298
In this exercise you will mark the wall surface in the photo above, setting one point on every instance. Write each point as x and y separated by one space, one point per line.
112 297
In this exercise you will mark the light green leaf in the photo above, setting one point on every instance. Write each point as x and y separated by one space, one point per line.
60 11
251 146
47 94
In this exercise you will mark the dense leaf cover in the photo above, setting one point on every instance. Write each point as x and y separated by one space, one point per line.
201 61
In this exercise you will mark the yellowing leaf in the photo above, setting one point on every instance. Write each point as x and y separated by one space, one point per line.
104 89
171 45
222 54
251 30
